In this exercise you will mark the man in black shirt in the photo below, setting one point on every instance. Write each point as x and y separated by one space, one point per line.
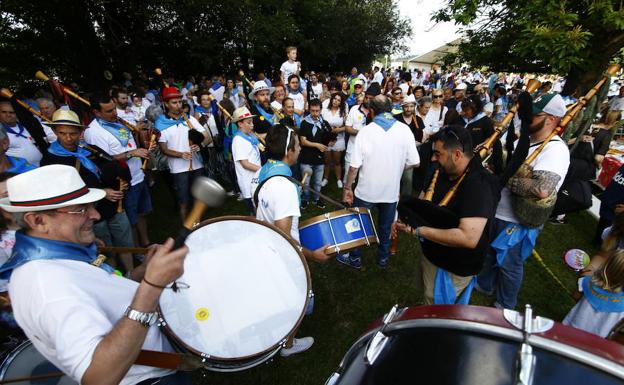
453 256
311 135
98 170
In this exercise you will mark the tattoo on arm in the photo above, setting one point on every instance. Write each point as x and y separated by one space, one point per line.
540 185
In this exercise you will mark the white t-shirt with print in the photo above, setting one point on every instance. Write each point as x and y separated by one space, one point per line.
21 147
177 139
67 307
288 69
555 158
98 136
243 150
128 116
381 156
357 120
278 199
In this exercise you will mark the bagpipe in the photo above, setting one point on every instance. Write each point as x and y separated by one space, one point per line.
327 136
423 212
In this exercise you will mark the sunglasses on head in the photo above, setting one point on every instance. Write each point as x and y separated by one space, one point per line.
449 132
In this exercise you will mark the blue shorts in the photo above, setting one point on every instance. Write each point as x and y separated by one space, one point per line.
182 183
138 202
115 231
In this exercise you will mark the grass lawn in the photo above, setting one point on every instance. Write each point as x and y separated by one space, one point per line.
347 301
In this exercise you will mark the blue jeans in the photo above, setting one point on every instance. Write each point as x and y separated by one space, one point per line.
115 231
316 177
505 280
384 223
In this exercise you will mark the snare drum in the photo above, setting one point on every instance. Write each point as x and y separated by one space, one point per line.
249 286
344 230
473 345
26 362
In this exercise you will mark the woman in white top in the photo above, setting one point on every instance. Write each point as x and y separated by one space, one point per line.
335 115
233 93
435 117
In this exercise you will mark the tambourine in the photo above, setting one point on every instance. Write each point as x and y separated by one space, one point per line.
576 259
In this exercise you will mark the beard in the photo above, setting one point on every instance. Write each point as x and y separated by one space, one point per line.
533 128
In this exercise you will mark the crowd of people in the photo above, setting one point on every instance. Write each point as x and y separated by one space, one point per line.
396 141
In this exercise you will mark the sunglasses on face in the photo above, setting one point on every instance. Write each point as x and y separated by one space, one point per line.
437 96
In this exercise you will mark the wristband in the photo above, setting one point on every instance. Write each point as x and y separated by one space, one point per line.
153 284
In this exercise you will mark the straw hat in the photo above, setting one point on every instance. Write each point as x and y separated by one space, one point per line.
241 113
63 117
47 188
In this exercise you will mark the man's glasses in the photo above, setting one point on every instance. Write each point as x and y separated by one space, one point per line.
82 211
396 93
449 131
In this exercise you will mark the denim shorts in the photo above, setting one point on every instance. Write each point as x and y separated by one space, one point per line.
182 182
115 231
138 202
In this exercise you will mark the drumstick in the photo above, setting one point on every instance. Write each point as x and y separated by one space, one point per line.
119 250
151 142
120 202
306 175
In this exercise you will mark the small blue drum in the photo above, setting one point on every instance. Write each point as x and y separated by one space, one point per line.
344 230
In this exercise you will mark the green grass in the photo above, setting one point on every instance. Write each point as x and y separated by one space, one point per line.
347 301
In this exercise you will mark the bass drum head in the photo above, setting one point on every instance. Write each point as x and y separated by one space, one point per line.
26 361
248 291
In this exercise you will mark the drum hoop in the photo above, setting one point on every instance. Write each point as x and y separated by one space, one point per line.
352 244
169 332
332 215
11 356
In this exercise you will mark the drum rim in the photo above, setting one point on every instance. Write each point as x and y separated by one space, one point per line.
169 332
348 246
10 357
333 214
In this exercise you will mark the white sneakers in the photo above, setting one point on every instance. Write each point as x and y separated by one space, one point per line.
339 183
324 182
299 345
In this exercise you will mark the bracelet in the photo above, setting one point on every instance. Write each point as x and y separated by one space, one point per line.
153 284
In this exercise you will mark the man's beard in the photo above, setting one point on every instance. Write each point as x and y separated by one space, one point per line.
533 129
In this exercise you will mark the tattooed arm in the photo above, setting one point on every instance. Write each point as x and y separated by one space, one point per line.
540 185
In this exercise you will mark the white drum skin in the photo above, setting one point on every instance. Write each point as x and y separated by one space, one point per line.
249 286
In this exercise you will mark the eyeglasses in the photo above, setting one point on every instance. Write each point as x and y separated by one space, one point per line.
437 96
81 211
449 131
396 93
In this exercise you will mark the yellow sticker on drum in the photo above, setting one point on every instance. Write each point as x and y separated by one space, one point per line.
202 314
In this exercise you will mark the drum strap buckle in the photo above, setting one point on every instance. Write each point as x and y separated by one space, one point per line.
377 344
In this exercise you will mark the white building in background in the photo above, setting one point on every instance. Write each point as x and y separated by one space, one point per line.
425 61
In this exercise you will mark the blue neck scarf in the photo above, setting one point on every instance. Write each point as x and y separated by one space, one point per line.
201 110
276 167
19 165
29 248
316 124
512 235
268 117
602 300
444 292
385 120
118 130
81 153
19 133
474 119
351 100
250 138
163 122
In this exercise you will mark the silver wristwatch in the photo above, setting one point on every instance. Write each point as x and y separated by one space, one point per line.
145 319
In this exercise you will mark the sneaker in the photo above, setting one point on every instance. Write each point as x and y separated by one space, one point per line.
345 259
383 263
320 204
324 182
230 193
239 197
304 205
339 184
558 220
299 345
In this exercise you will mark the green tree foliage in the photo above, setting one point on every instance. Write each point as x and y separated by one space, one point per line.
79 40
577 38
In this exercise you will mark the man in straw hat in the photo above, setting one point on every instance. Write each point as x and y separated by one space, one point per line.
514 241
245 153
97 172
69 303
107 133
260 106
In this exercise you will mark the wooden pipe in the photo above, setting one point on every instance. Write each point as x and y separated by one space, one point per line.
41 76
190 127
120 250
120 202
242 74
9 95
151 142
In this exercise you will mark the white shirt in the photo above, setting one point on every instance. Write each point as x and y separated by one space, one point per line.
49 134
288 69
277 105
97 135
433 122
243 150
404 87
381 157
318 90
177 139
357 120
23 147
616 103
378 77
298 100
68 316
211 125
278 199
138 112
7 241
555 158
127 116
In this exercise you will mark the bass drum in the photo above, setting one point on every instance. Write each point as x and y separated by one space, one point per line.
26 362
244 291
472 345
